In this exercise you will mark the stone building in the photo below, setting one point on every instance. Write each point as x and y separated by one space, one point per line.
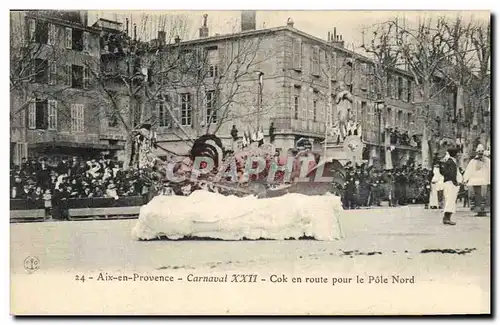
252 80
291 76
54 99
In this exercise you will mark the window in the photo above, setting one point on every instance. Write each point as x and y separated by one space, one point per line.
315 61
52 72
68 38
297 54
42 32
213 61
52 35
400 88
186 109
388 117
315 111
404 95
77 76
400 119
112 119
77 118
52 104
40 70
211 107
77 40
37 114
213 71
163 113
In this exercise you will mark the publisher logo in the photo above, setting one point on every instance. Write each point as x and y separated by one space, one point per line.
31 264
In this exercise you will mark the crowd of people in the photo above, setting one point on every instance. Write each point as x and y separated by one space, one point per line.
363 186
36 180
367 186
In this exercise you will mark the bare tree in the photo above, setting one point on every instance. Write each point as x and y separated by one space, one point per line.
471 44
124 74
158 77
425 49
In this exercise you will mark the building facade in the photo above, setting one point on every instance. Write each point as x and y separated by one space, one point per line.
54 100
89 87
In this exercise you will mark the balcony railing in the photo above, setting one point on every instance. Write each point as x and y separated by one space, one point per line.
289 124
35 136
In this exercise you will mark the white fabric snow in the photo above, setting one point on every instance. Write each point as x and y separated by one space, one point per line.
206 214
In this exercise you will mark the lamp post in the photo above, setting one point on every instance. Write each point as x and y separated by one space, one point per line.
259 104
379 106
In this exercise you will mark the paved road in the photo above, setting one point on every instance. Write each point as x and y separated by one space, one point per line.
386 241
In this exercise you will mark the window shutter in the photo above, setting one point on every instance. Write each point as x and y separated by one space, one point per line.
333 65
31 29
86 41
52 114
297 54
73 117
51 36
86 80
81 118
52 72
69 75
69 38
31 114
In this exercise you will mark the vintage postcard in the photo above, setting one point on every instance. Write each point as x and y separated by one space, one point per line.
250 162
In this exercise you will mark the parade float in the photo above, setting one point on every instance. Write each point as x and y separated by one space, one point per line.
251 193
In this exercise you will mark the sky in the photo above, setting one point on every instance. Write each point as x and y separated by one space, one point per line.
349 24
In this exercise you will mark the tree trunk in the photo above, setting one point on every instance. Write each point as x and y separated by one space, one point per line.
128 161
427 134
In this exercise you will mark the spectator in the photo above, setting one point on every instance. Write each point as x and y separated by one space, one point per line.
111 191
47 200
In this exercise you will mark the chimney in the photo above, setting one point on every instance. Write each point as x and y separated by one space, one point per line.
289 22
204 27
336 39
162 38
126 26
177 39
329 36
84 17
248 20
135 32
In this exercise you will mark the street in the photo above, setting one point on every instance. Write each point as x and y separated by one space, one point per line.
377 242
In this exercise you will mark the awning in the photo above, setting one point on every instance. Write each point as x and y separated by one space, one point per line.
76 145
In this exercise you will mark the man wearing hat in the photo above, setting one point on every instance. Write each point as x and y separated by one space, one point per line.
477 176
449 170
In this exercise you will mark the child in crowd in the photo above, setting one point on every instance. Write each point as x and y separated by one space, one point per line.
47 201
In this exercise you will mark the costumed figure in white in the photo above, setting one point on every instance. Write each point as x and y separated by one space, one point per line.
437 184
477 176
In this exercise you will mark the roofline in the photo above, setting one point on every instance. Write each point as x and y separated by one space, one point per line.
63 22
109 21
293 30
